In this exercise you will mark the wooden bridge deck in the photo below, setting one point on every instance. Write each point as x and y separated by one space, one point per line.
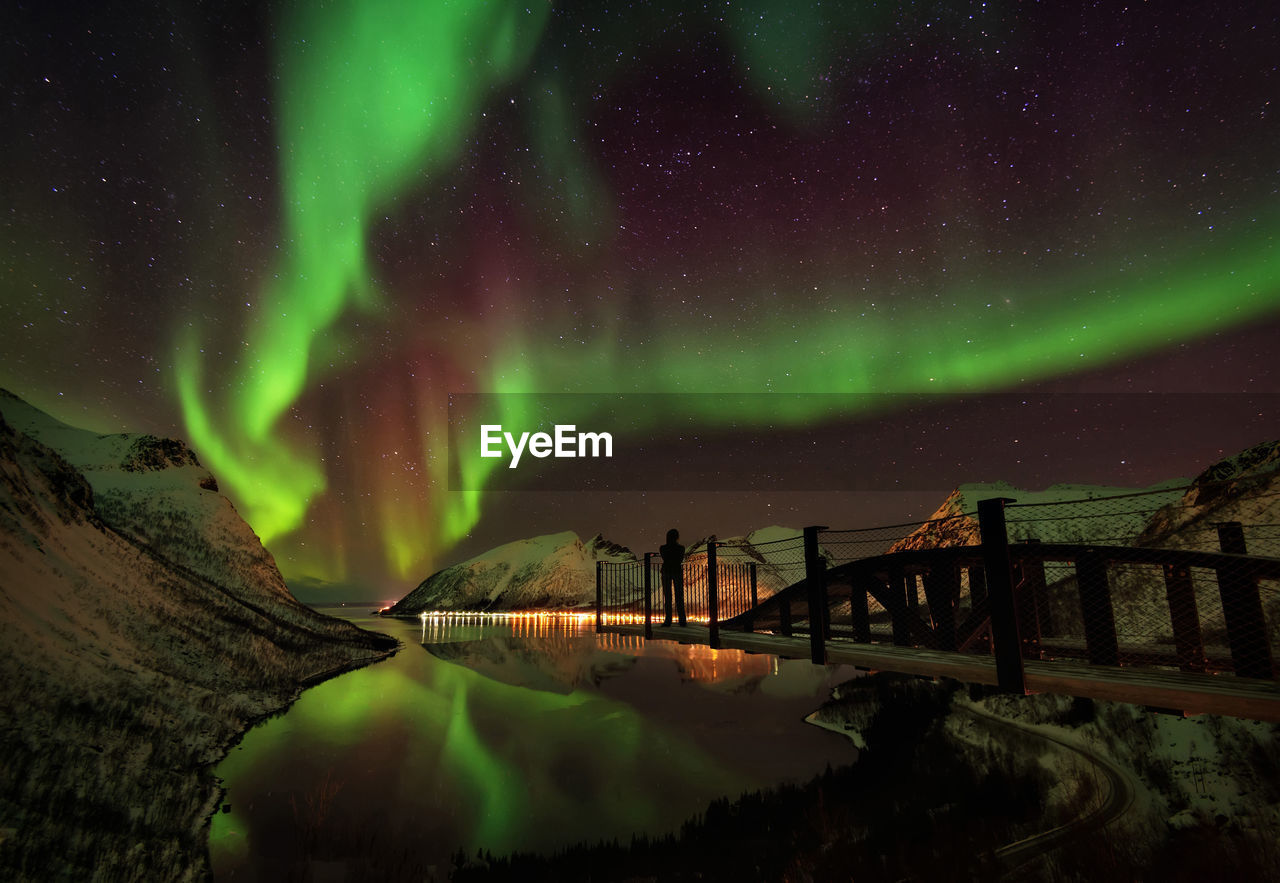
1188 692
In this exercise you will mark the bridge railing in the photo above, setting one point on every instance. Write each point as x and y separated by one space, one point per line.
1196 610
1132 579
712 589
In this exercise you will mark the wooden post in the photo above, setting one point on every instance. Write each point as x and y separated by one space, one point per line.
941 589
1242 609
860 614
1095 608
599 596
1184 615
977 586
999 582
648 596
815 580
912 590
899 612
713 625
1033 603
750 619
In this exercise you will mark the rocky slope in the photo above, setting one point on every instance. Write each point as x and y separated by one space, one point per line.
1244 488
1054 515
144 628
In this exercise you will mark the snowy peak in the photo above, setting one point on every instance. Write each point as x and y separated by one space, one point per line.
124 667
1255 462
1243 488
558 571
41 488
601 548
554 571
949 525
149 453
1062 513
777 552
155 491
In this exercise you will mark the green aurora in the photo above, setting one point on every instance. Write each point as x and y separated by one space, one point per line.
430 198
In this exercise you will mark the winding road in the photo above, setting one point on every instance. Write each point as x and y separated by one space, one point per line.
1119 797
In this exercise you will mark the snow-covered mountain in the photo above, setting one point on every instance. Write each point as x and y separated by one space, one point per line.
1176 513
777 551
144 629
558 571
558 662
154 491
1063 513
1244 488
555 571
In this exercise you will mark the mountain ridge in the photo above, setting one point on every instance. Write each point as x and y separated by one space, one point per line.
128 667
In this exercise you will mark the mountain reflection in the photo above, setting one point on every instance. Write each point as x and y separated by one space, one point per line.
509 735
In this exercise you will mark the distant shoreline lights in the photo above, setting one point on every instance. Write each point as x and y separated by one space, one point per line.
507 614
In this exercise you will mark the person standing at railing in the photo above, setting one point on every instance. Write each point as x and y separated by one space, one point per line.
672 575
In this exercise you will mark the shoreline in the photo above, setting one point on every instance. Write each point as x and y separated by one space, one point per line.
306 683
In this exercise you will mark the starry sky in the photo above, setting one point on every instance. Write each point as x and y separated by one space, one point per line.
287 232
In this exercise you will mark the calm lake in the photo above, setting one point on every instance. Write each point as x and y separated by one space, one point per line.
511 735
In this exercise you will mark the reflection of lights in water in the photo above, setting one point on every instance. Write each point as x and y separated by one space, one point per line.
499 616
697 662
440 625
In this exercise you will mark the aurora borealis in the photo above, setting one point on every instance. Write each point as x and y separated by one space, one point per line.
287 232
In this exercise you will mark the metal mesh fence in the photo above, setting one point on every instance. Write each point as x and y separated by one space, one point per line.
738 588
620 592
1177 609
1162 578
1181 517
779 563
1118 520
844 546
861 615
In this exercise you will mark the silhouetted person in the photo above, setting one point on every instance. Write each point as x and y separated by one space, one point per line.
672 575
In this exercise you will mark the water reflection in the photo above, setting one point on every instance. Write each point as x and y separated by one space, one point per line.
525 734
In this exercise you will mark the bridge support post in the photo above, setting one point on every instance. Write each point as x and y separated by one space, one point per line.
912 588
977 586
648 596
599 596
713 638
1095 607
978 597
1184 615
815 579
1033 607
859 612
941 591
899 611
1242 609
999 583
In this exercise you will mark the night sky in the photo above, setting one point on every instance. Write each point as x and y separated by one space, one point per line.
287 232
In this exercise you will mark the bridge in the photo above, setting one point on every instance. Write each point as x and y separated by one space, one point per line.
977 598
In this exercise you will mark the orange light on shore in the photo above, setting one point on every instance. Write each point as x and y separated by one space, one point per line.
559 615
575 616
